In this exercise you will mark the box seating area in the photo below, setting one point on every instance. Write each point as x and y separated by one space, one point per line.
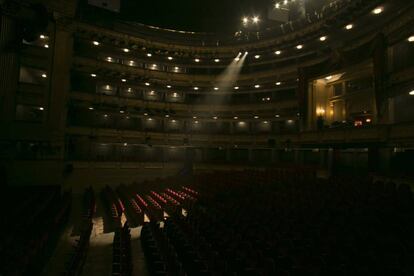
32 219
74 264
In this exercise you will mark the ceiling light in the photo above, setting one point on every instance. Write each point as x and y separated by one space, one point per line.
96 43
149 55
349 26
147 84
278 52
123 80
300 46
278 83
245 20
195 88
167 116
170 58
194 117
109 58
257 56
257 86
235 117
176 68
131 62
121 111
237 59
256 117
411 93
175 95
152 92
236 88
265 122
126 50
90 108
323 38
46 46
216 88
197 60
277 115
255 19
93 75
41 108
216 60
42 36
378 10
411 38
145 114
215 117
44 76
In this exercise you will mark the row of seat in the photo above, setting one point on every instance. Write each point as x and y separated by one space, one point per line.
121 253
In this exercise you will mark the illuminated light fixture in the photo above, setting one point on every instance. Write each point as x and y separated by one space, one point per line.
278 83
196 60
121 111
195 122
368 120
107 87
300 46
123 80
129 89
44 76
109 58
131 62
175 95
154 65
96 43
173 121
167 116
145 114
328 78
127 117
278 52
236 88
257 86
152 92
237 59
255 19
106 115
46 46
216 88
125 144
277 115
215 117
176 68
149 55
42 36
194 117
170 58
378 10
245 20
246 53
195 88
349 26
265 122
126 50
256 117
147 84
93 75
216 60
323 38
235 118
169 86
90 108
411 38
411 93
149 119
257 56
41 108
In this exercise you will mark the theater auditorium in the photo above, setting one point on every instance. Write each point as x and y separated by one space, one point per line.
206 138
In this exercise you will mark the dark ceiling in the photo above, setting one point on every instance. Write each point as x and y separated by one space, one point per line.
193 15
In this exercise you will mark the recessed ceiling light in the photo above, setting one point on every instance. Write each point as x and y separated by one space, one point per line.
90 108
216 60
278 83
41 108
411 38
278 52
169 86
216 88
411 93
197 60
44 76
257 86
167 116
96 43
194 117
93 75
255 19
378 10
46 46
349 26
215 117
149 55
236 88
235 117
256 117
257 56
147 84
300 46
126 50
195 88
170 58
123 80
42 36
277 115
323 38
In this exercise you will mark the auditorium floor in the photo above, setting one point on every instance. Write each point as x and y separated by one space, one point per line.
99 257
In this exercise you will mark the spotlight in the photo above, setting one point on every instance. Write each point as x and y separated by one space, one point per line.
411 93
195 88
257 86
255 19
278 52
323 38
196 60
96 43
278 83
170 58
411 38
216 60
300 46
149 55
126 50
93 75
147 84
378 10
41 108
349 26
246 53
44 76
236 88
46 46
123 80
216 88
257 56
